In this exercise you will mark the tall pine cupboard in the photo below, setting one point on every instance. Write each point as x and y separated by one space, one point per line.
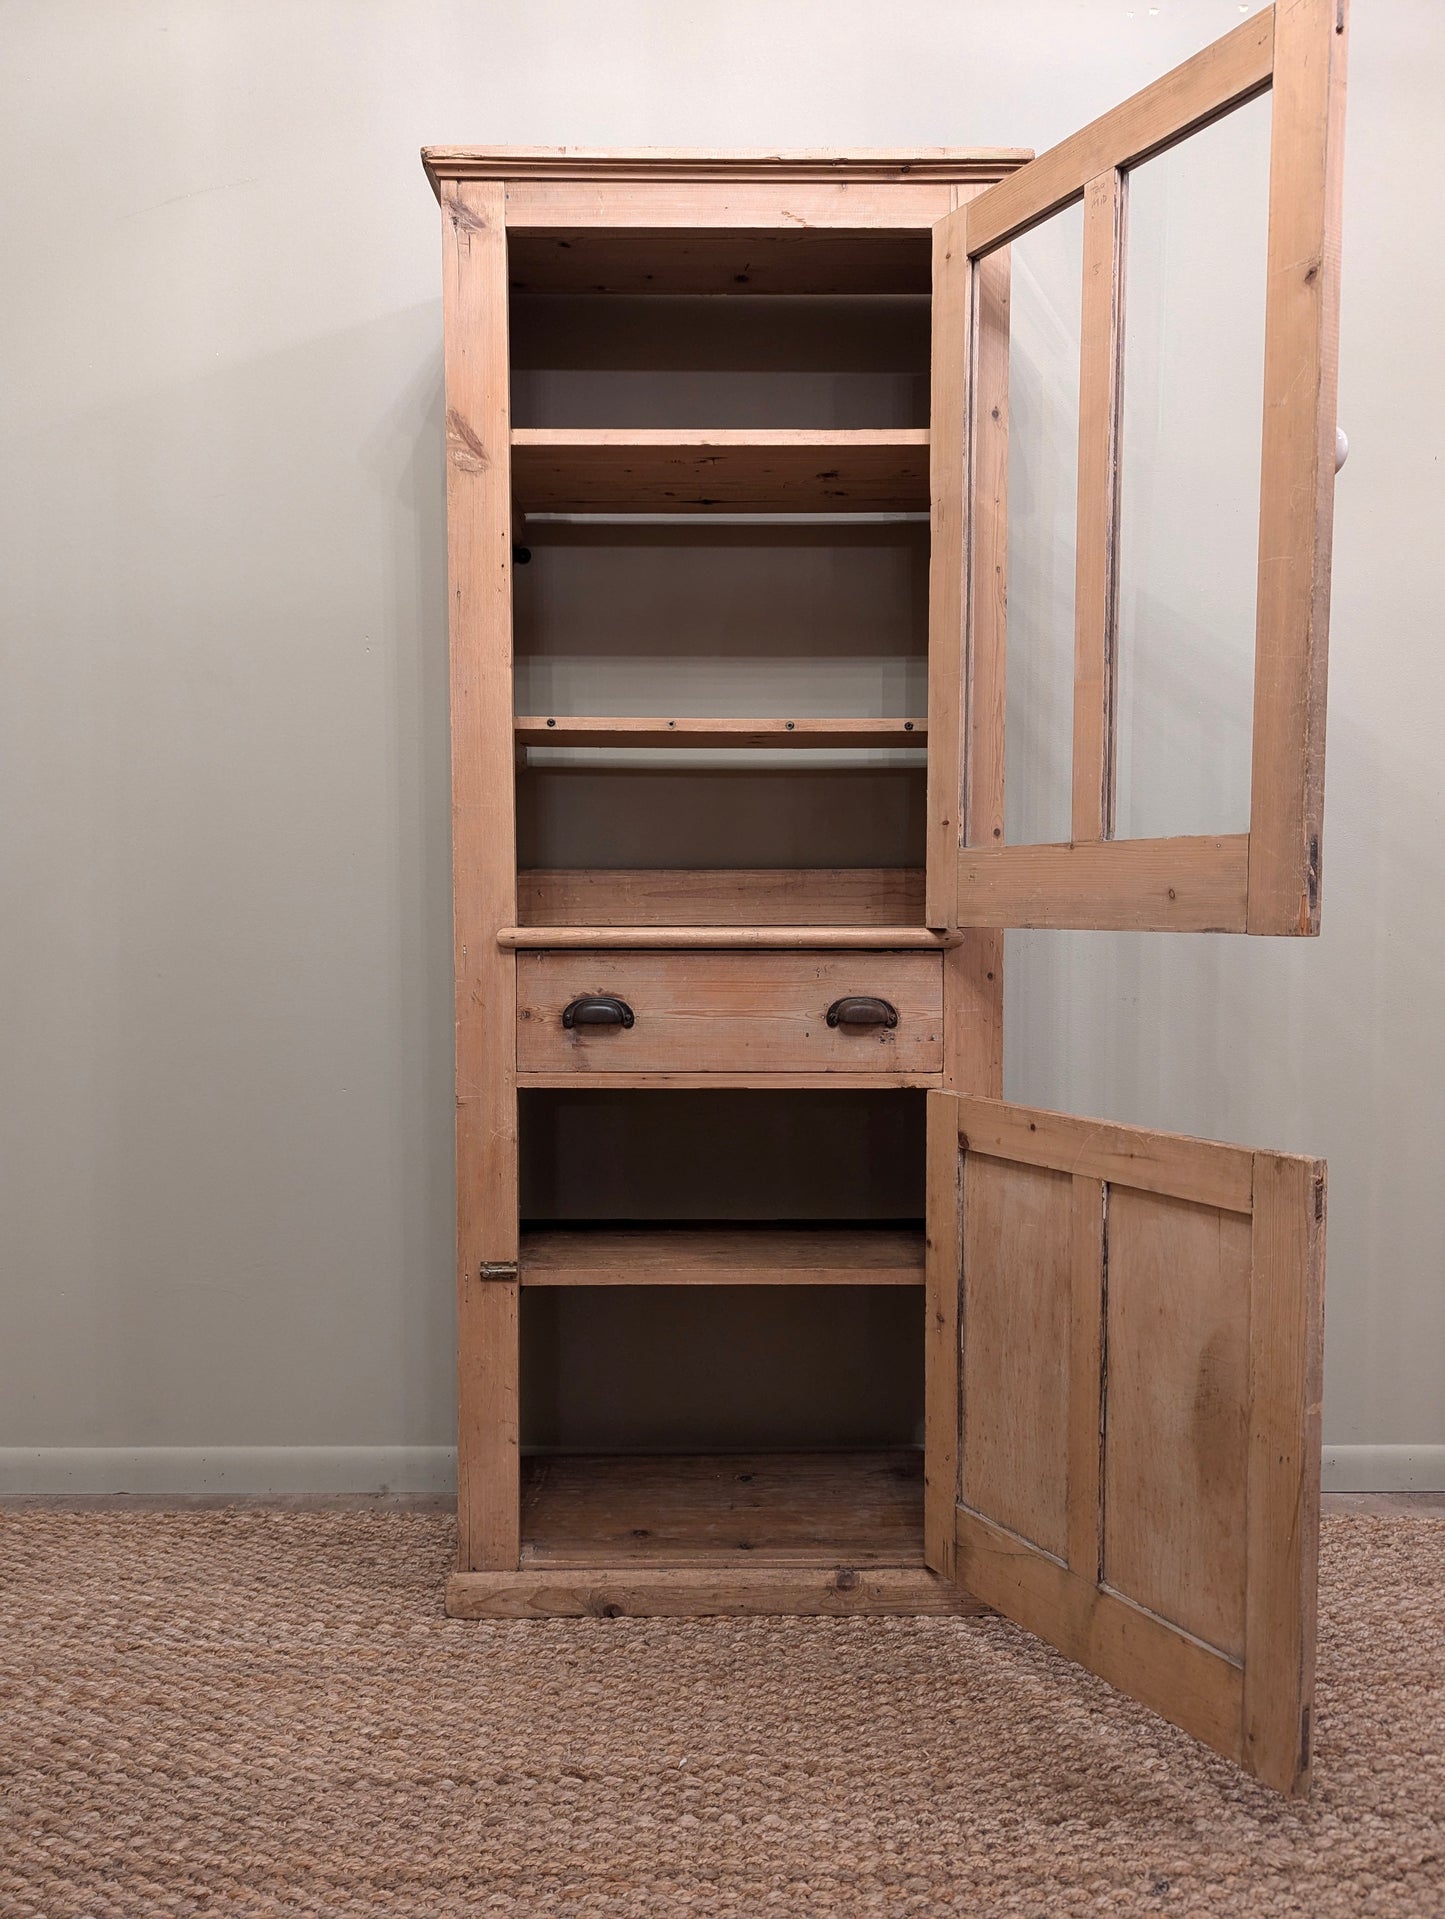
1119 1331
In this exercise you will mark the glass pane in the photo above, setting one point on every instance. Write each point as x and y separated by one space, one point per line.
1046 273
1189 479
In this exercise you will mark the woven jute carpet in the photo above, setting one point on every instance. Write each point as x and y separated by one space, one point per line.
267 1713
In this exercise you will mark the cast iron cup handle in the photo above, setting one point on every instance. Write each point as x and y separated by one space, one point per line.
862 1012
599 1010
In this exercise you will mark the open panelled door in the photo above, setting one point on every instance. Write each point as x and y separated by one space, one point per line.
1131 1469
1264 880
1123 1448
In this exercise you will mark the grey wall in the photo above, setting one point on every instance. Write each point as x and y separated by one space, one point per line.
226 1199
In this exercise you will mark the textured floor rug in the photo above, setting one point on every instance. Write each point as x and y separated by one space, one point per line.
215 1713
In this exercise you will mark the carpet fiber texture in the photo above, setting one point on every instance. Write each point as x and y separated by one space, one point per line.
216 1713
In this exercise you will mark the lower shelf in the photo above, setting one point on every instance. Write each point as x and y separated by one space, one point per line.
723 1534
723 1510
705 1592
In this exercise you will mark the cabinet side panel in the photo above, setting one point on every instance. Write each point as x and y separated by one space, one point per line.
479 589
973 1014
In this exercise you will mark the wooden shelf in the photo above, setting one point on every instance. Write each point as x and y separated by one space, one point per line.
728 1082
536 729
802 1509
726 939
737 897
727 260
722 1256
667 470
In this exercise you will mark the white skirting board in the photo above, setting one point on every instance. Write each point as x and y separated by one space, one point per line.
251 1472
1384 1469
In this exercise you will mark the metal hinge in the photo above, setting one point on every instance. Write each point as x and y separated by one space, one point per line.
497 1269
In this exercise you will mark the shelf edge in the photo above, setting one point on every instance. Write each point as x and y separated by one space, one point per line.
872 939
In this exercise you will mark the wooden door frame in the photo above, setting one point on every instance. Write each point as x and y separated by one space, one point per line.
1265 880
485 194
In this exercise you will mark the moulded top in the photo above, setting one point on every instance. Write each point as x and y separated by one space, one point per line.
705 163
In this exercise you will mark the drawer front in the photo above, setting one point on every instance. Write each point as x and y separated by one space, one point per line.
729 1013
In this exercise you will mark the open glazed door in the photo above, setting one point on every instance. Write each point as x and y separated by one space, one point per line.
1124 1383
1265 879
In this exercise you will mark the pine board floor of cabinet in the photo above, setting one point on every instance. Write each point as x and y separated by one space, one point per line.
718 1510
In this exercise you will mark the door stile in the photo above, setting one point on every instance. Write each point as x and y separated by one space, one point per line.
985 675
967 581
1087 1320
1282 1523
947 543
1297 466
1096 548
484 866
962 378
942 1345
973 970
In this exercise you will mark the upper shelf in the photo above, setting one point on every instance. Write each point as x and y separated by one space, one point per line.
538 729
730 260
667 470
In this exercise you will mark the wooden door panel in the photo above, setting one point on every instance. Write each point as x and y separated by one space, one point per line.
1137 1467
1177 1340
1015 1312
1268 879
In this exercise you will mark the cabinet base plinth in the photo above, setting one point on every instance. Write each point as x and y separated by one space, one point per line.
698 1592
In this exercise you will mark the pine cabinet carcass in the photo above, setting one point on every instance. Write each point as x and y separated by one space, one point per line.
1120 1330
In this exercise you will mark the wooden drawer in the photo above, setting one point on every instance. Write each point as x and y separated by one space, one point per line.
755 1013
